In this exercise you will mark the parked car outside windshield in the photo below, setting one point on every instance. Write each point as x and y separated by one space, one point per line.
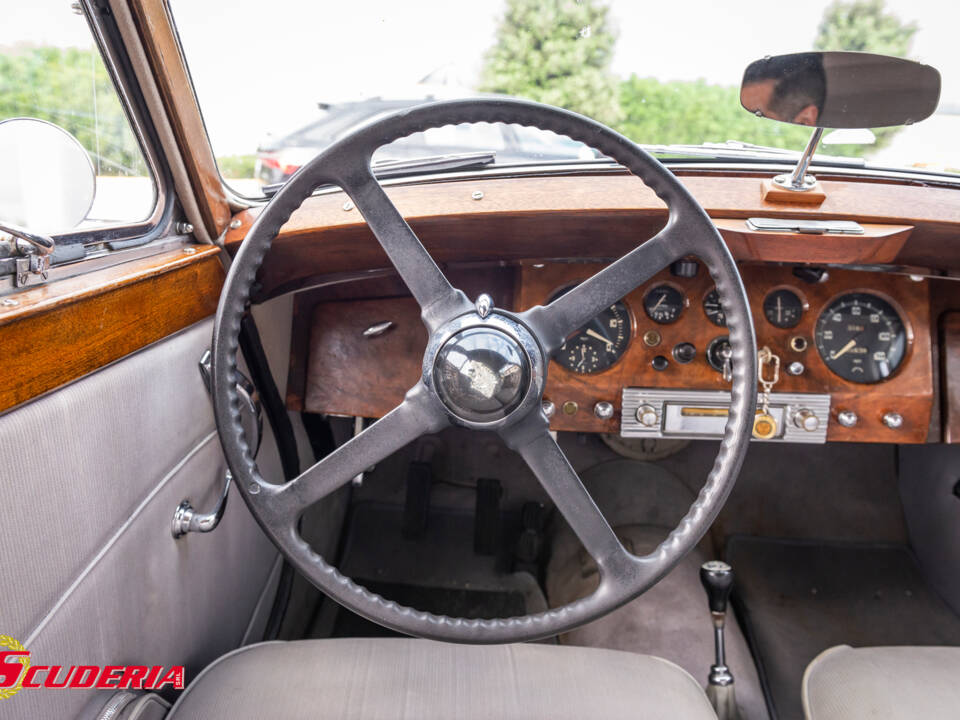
654 72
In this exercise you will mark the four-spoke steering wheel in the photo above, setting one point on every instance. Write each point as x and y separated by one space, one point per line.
484 368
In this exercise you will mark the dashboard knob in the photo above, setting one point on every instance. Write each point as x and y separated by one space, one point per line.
806 419
847 418
647 416
685 268
603 410
684 353
893 420
660 363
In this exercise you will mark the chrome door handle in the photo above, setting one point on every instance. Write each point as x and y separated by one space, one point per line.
187 520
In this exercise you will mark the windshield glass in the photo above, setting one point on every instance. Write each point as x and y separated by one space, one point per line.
278 82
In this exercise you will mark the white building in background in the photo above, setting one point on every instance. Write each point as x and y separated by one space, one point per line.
933 144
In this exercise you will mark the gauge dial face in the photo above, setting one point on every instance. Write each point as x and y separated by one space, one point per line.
713 308
663 304
598 344
783 308
861 338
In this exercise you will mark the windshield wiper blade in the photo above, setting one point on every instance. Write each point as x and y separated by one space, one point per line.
737 149
417 166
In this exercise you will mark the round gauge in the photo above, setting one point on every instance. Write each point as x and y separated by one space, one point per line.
713 308
861 338
783 308
663 304
598 344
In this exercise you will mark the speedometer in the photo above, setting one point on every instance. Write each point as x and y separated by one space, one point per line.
861 338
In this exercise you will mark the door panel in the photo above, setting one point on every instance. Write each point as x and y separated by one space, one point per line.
89 571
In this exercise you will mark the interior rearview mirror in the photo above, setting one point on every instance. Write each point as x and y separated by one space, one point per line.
48 183
840 89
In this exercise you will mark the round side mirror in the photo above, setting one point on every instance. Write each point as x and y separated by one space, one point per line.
48 183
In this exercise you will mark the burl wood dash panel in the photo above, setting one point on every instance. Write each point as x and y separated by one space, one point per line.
352 375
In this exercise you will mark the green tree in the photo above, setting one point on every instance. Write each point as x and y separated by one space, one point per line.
694 112
70 88
557 52
864 26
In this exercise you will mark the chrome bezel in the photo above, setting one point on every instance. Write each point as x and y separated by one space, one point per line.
516 331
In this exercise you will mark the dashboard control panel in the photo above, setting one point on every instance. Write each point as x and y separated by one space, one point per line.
847 354
690 414
858 339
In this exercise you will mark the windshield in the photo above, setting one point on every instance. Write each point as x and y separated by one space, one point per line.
664 74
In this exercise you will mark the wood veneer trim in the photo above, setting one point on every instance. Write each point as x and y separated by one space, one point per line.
48 349
159 40
50 296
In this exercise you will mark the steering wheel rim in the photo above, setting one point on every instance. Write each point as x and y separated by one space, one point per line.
534 334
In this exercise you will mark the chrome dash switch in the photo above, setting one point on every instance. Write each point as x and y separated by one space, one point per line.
893 420
603 410
647 416
847 418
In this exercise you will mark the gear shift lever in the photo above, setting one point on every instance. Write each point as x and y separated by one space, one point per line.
717 580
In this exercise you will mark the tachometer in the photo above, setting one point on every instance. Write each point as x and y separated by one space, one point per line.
861 338
599 343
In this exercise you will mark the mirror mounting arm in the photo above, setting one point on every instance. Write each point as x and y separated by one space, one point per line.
38 263
798 180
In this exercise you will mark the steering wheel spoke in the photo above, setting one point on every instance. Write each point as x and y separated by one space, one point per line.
688 231
419 414
572 310
438 299
532 440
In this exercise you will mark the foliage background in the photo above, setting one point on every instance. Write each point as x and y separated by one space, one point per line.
543 53
70 87
553 51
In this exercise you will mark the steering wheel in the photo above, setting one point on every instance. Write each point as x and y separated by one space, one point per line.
484 368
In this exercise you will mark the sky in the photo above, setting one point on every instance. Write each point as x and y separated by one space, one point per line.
261 66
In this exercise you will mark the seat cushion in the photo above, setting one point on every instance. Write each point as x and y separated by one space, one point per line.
883 683
405 678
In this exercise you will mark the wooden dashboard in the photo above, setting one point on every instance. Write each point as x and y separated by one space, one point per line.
522 238
339 370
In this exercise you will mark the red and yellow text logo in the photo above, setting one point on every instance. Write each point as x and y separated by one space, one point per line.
17 672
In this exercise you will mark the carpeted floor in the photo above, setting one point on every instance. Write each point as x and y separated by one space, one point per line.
799 598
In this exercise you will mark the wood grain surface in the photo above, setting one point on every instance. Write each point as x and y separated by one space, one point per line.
66 329
348 374
601 217
159 39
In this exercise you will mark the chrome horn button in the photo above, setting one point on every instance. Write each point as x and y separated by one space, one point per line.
481 374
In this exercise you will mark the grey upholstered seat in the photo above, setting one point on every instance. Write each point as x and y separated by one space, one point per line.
883 683
403 678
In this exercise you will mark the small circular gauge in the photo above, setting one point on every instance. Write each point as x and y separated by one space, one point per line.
598 344
663 304
783 308
861 338
713 308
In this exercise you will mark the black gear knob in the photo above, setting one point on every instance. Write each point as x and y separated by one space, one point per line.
717 579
